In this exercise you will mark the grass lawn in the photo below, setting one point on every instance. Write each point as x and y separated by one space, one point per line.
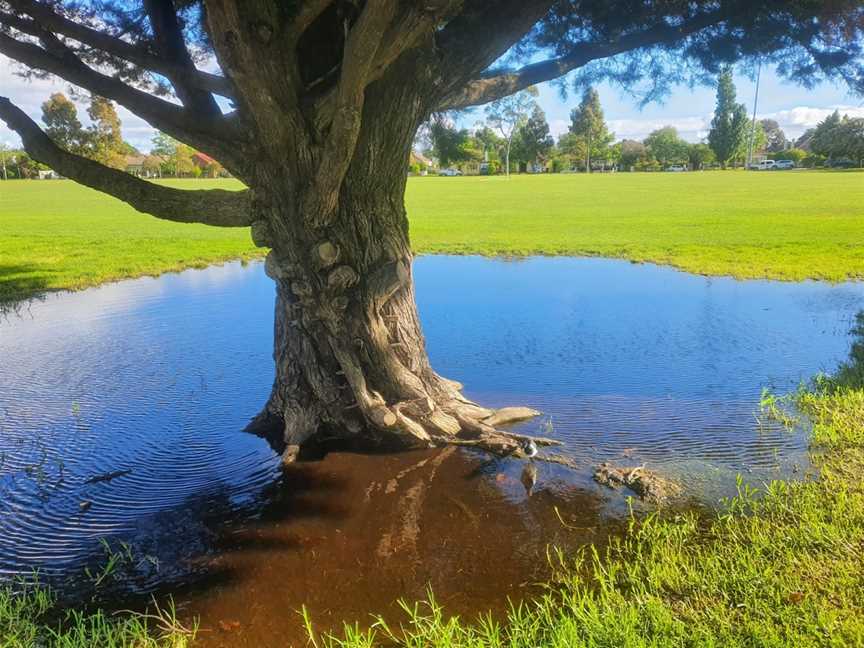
783 225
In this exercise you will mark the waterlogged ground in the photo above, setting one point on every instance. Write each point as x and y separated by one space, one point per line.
634 364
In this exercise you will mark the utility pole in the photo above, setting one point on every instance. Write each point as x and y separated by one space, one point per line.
753 124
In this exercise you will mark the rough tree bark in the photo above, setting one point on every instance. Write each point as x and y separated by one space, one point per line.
349 351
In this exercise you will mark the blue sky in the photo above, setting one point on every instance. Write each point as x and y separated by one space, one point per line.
795 108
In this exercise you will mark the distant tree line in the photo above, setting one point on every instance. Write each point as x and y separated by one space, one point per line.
103 142
515 136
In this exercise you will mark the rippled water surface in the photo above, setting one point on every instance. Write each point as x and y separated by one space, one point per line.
157 377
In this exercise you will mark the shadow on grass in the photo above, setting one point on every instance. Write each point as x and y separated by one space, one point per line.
20 284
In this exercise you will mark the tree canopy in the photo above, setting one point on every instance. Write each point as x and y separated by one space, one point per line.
589 126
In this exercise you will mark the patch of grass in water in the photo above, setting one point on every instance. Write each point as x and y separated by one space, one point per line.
779 565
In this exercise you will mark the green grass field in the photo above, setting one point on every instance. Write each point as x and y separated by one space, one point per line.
783 225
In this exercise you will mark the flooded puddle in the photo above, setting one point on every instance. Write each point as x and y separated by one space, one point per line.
154 379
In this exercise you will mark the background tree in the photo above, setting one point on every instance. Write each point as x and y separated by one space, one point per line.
489 142
827 138
795 154
587 122
853 136
666 146
757 141
728 134
700 156
153 165
325 99
533 142
60 117
775 138
5 156
508 114
181 160
632 152
449 144
105 142
573 148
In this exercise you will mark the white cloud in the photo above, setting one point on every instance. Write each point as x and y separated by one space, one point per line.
793 121
797 120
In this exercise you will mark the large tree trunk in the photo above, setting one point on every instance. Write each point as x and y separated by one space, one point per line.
349 351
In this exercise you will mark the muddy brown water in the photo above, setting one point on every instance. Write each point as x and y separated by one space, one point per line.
154 379
350 534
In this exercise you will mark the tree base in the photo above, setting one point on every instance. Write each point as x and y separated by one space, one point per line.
405 425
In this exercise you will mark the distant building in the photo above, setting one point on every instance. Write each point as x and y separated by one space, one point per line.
135 165
138 166
209 167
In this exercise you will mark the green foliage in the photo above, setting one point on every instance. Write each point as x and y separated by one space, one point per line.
508 115
105 141
588 124
666 147
813 161
728 134
794 154
60 117
632 152
163 145
700 156
839 137
826 137
449 144
775 138
532 142
102 141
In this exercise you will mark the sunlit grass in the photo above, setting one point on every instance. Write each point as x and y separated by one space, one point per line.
782 225
30 617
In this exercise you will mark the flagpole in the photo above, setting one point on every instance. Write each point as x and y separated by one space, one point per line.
753 124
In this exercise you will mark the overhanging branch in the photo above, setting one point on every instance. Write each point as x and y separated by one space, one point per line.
214 135
171 44
497 84
211 207
136 54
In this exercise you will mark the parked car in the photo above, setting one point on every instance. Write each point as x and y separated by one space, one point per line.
784 164
449 172
840 163
677 168
763 165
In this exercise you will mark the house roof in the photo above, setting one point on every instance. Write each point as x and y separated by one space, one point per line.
134 160
202 158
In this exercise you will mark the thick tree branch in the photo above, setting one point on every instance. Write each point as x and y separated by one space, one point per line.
417 22
171 44
216 136
212 207
253 53
497 84
138 54
361 48
482 34
307 13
